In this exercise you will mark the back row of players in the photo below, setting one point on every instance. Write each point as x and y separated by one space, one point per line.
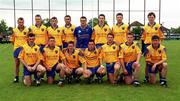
75 51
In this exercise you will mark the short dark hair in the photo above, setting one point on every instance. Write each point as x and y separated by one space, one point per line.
20 18
51 38
152 14
67 16
101 15
91 40
110 34
131 33
70 42
55 18
83 17
38 15
119 14
31 35
155 37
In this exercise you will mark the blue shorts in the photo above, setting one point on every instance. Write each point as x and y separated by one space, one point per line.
93 70
150 68
52 72
129 68
41 48
145 49
26 72
99 45
110 67
65 44
17 52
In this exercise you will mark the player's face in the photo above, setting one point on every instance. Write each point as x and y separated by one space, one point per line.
91 45
20 23
31 39
155 43
110 38
54 22
83 21
101 19
151 18
130 38
67 20
70 46
119 18
51 42
38 20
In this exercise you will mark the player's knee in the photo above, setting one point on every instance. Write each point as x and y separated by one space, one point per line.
79 71
116 67
164 65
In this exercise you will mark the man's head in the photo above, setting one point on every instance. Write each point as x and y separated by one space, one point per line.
31 38
38 19
70 45
67 19
54 21
151 17
51 41
110 38
101 19
83 21
20 22
155 41
119 17
91 45
130 37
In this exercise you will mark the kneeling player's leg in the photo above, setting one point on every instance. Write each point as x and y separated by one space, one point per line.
152 74
68 72
87 74
27 77
61 68
79 72
101 71
40 71
110 72
163 73
116 71
136 68
50 75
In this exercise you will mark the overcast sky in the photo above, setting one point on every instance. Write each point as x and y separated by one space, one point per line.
170 12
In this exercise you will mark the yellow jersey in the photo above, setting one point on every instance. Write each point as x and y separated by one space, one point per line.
52 57
19 38
100 34
120 33
92 57
73 60
68 33
154 55
129 53
30 55
57 34
110 53
40 34
149 31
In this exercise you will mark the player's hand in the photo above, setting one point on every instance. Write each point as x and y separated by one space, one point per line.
33 68
49 69
29 68
85 73
125 71
137 62
154 67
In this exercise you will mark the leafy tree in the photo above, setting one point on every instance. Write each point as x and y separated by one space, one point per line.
93 22
46 22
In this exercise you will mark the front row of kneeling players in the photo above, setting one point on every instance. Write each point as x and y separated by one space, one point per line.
73 63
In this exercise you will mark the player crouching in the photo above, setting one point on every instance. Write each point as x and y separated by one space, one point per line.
30 57
130 55
73 69
156 60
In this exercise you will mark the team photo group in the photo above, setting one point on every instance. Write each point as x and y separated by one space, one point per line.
85 54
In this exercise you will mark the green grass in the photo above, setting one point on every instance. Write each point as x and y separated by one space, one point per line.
94 92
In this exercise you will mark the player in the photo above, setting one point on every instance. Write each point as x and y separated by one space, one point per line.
68 31
120 30
156 60
100 31
52 55
73 66
130 55
82 34
149 30
30 57
110 52
40 32
55 31
19 38
93 66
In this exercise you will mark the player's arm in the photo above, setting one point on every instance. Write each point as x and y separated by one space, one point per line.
138 50
12 38
161 34
75 36
143 34
121 61
21 57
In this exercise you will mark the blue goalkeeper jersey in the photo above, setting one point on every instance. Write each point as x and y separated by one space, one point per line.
82 36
